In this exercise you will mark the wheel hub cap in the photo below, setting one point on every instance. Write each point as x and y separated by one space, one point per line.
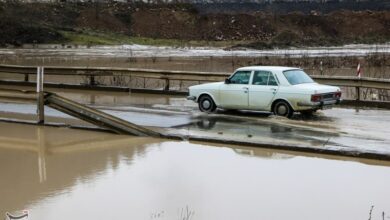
282 110
206 104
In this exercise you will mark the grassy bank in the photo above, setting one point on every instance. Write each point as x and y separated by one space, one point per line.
90 37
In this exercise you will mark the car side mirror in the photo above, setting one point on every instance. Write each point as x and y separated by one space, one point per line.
227 81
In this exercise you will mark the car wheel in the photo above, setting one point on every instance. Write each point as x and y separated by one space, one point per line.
206 104
282 108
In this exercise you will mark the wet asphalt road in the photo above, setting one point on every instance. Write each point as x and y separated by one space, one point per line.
351 128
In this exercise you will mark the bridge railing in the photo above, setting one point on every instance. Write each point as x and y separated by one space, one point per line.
167 76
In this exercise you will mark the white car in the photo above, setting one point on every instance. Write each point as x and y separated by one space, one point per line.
281 90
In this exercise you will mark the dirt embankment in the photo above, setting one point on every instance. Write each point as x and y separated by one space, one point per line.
46 23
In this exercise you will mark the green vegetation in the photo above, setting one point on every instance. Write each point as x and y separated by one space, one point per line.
94 38
91 37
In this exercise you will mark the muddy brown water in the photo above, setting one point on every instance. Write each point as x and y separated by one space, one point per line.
62 173
94 175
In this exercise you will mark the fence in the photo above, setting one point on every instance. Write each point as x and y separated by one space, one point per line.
167 76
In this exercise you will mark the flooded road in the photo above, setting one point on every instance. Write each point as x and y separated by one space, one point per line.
338 128
93 175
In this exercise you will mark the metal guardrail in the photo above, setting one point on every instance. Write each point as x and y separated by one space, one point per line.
83 112
110 71
349 81
96 117
167 75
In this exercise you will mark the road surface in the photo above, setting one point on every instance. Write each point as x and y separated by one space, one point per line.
337 128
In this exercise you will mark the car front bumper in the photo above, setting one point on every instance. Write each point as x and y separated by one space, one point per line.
193 98
321 104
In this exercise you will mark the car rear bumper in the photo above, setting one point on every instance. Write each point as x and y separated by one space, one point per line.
321 104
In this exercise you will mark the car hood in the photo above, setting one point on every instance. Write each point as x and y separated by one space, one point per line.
317 88
214 85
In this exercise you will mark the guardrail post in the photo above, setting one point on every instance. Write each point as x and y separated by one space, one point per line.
166 87
92 80
357 93
40 98
26 77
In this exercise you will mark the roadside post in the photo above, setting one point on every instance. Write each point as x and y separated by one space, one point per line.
92 80
359 75
166 86
357 93
40 98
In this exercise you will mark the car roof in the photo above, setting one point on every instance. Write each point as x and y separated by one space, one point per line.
268 68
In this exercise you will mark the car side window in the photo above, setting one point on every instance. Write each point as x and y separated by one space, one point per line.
264 78
240 77
272 80
260 78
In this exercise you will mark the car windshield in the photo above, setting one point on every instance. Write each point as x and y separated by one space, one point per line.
295 77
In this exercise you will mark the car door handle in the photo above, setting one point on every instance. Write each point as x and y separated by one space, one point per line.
245 89
273 89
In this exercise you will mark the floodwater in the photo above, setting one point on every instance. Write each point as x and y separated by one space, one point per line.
92 175
63 173
134 50
206 59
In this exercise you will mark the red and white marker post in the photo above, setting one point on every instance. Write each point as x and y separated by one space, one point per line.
359 71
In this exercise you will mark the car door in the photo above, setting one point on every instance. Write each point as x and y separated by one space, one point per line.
234 95
262 90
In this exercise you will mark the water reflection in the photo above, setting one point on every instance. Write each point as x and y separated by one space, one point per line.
262 130
60 173
39 162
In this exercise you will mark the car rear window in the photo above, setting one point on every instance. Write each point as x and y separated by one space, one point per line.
295 77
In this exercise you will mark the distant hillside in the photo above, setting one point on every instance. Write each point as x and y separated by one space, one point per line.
287 6
250 6
113 22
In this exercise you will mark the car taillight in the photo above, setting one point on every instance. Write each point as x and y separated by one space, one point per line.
337 95
316 98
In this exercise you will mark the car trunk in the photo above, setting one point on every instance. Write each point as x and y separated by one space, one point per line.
316 88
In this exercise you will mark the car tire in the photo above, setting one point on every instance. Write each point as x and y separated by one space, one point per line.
206 104
282 108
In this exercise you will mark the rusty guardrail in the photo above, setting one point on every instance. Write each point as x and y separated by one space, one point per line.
347 81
